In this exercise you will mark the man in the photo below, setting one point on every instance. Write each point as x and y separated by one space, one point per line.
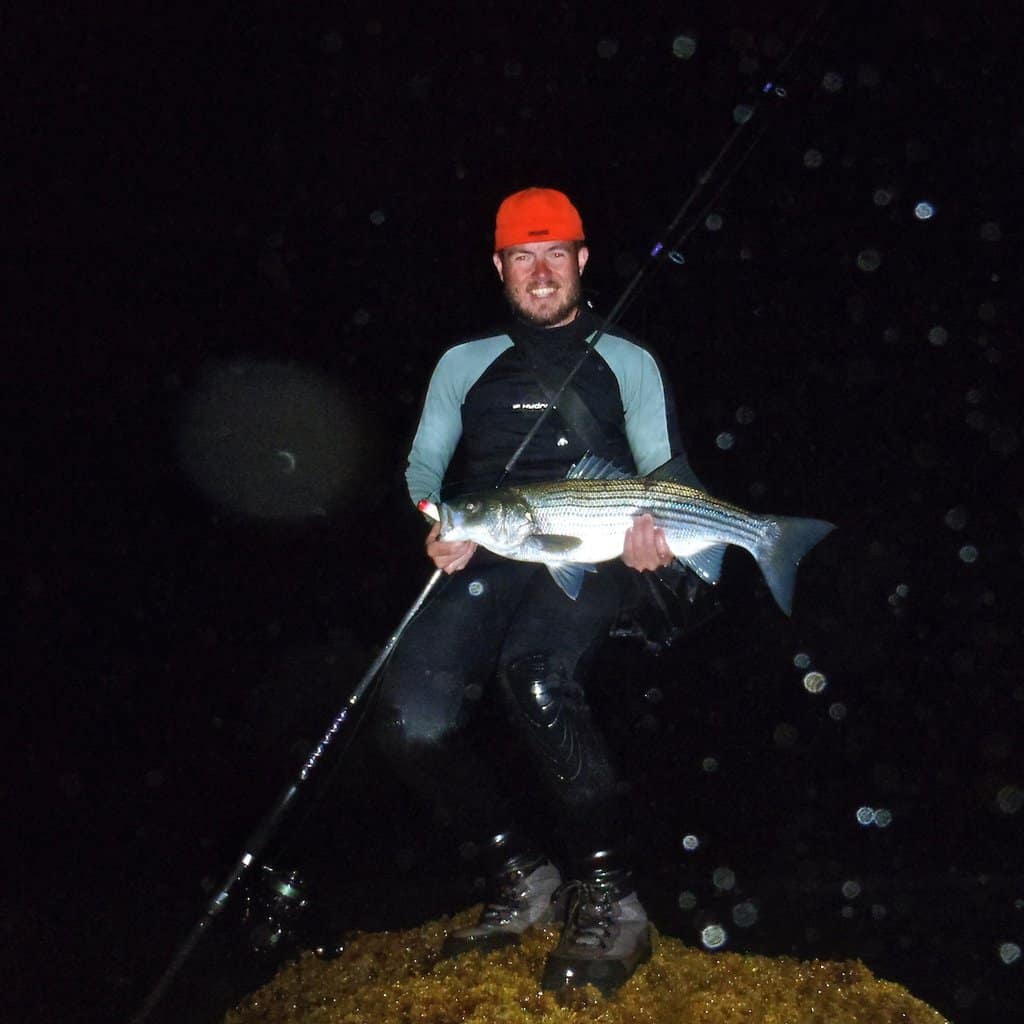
505 625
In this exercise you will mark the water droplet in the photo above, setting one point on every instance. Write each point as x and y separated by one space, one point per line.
815 682
990 231
883 196
865 815
968 553
713 222
837 712
713 936
687 900
709 764
690 842
832 82
725 440
851 889
813 159
924 210
745 415
378 217
476 588
684 46
883 817
802 660
938 336
902 590
607 48
742 113
869 260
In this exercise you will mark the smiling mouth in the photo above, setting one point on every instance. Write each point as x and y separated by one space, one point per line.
541 293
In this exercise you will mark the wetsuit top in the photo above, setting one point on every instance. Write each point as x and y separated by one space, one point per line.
484 397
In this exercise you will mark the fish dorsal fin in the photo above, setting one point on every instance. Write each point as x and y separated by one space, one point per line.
593 467
569 576
707 564
678 471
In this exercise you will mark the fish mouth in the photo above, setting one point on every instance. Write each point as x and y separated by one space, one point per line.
444 514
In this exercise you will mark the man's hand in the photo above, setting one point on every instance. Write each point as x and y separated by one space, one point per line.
448 555
645 546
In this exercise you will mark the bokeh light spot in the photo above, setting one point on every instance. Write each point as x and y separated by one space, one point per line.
869 260
725 440
723 878
684 46
865 815
1009 952
832 82
744 914
687 900
607 48
938 336
802 660
690 842
713 936
815 682
968 554
813 159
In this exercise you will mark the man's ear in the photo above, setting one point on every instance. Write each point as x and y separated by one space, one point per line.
499 266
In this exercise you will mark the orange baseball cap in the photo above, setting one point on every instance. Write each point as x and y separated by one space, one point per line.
537 215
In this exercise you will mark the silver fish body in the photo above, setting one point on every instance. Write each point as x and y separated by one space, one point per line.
571 524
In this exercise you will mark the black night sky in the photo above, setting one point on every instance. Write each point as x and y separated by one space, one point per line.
238 242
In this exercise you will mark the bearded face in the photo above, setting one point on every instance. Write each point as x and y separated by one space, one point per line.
542 280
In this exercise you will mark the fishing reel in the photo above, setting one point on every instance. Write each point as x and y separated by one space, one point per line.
275 911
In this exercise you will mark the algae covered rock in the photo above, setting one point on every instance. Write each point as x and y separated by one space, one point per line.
399 977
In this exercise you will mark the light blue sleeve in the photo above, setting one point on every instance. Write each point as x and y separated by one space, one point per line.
643 399
440 426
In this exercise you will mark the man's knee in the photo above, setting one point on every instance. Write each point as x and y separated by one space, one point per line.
539 688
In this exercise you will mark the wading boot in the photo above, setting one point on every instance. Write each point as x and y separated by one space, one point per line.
521 897
606 934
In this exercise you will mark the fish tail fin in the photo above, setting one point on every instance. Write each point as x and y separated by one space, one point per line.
780 552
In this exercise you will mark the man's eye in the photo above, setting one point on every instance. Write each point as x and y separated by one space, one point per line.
471 506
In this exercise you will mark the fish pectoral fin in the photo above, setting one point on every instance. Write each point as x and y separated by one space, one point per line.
707 564
569 576
553 543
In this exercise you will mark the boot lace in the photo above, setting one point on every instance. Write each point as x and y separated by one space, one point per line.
509 900
591 913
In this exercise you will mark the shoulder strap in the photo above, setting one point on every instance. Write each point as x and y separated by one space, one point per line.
571 406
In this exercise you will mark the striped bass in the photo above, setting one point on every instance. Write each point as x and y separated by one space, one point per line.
571 524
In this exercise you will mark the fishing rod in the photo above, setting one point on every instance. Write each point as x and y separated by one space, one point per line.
256 843
661 251
670 250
